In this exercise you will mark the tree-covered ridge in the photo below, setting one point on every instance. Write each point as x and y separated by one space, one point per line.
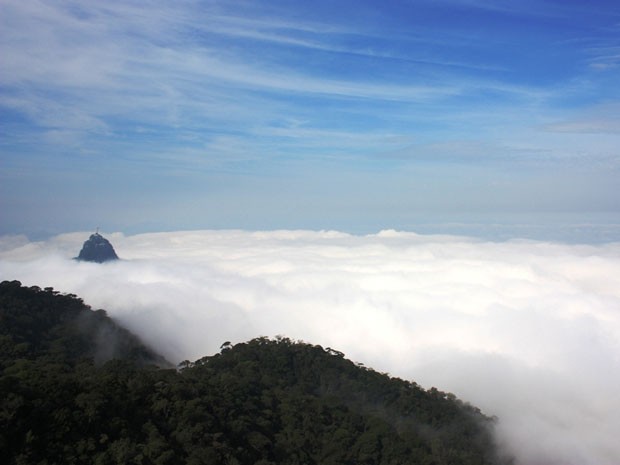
261 402
37 322
332 411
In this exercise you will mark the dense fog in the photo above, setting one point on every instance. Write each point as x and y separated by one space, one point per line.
528 331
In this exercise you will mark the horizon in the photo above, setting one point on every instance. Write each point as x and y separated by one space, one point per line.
594 232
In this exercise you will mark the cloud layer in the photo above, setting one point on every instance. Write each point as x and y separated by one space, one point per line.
528 331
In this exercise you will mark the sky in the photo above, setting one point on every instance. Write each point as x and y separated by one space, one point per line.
528 331
421 115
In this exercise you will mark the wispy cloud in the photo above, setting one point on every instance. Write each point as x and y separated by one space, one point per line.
107 61
597 119
208 86
606 58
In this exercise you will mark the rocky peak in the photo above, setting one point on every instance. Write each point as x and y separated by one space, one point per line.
97 249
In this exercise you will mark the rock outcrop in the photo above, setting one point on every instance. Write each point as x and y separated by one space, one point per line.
97 249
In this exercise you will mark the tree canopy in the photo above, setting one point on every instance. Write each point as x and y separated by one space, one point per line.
77 388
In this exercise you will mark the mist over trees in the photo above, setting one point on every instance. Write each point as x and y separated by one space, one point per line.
77 388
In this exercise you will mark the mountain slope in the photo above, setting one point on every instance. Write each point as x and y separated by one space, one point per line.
261 402
37 322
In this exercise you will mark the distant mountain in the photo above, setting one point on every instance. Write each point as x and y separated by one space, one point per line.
97 249
76 389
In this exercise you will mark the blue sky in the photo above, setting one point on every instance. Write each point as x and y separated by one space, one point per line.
359 116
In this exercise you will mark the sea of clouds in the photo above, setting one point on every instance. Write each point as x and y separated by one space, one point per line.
528 331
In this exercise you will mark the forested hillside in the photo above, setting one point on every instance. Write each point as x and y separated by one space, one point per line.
78 389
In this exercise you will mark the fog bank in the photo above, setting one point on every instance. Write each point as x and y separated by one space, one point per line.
528 331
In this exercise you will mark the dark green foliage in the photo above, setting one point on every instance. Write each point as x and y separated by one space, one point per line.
41 323
261 402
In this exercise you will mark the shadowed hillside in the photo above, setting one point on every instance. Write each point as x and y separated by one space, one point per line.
79 389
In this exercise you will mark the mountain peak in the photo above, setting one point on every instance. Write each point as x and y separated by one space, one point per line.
97 249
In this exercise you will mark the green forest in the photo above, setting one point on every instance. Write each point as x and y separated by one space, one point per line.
76 388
